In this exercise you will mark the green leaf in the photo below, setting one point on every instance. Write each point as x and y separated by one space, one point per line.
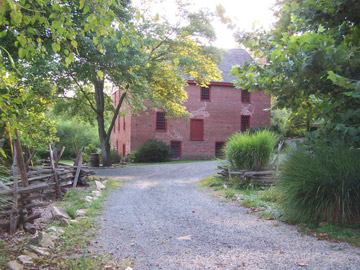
81 4
74 43
21 52
138 16
100 74
86 9
119 47
2 152
55 47
95 40
352 94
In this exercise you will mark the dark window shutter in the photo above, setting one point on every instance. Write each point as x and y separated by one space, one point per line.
196 129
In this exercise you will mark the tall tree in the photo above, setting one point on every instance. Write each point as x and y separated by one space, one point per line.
149 67
33 35
312 61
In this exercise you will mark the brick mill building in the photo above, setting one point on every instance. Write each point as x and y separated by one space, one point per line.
217 112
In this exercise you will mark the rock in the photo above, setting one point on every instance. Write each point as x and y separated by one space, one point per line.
43 240
99 185
80 212
14 265
25 259
54 237
28 227
55 230
74 221
128 268
64 222
59 213
262 208
88 199
40 250
239 197
31 255
276 214
96 193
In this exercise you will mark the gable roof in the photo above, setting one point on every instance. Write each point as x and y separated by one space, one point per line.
233 57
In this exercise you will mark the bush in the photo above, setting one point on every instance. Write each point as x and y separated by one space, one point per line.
321 184
242 148
115 156
153 151
130 157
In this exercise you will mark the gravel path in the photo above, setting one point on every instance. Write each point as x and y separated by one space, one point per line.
163 221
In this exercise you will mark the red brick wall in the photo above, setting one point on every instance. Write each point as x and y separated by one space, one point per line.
221 116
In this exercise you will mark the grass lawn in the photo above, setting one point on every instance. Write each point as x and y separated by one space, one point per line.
166 162
263 202
66 161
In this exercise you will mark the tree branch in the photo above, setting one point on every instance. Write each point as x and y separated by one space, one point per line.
86 96
116 113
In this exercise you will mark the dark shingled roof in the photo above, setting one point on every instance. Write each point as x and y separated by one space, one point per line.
233 57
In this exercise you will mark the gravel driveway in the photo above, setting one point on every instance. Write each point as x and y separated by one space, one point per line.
162 220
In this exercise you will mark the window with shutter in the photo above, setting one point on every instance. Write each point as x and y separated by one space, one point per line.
196 130
160 121
245 122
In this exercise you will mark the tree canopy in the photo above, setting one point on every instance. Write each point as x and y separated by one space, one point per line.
310 61
69 50
32 36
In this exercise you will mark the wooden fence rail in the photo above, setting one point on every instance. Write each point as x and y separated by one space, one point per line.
261 177
25 191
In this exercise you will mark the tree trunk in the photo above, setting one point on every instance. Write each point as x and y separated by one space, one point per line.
103 135
100 106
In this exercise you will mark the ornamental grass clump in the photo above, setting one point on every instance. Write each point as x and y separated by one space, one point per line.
321 185
250 151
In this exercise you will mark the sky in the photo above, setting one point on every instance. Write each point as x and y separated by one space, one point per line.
243 12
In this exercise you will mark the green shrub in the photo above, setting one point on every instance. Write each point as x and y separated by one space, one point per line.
115 156
242 149
321 184
130 157
70 130
89 149
153 151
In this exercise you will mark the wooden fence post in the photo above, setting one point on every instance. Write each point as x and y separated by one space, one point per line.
57 182
14 207
20 160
